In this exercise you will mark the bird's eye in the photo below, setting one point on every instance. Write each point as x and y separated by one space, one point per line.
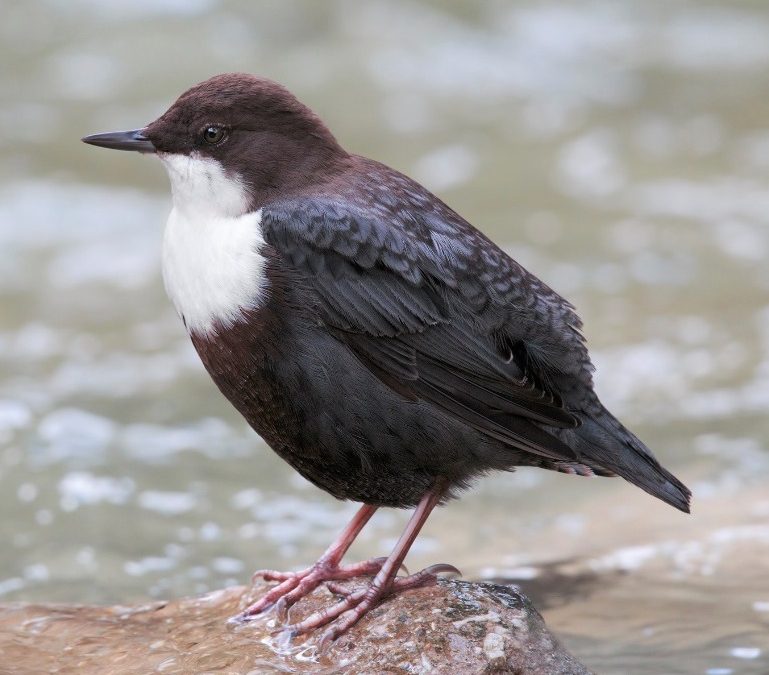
214 134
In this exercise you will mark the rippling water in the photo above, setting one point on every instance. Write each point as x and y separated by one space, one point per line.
618 149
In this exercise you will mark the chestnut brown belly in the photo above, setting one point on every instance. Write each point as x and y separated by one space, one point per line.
340 427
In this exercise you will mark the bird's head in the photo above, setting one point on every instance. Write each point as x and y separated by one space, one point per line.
233 141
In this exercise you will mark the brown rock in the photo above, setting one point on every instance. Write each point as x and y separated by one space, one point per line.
455 627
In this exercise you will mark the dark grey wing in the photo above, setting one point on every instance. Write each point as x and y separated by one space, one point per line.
436 311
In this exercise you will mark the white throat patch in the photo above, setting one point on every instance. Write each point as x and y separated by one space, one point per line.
213 268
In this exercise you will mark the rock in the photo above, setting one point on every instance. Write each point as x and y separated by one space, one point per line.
454 627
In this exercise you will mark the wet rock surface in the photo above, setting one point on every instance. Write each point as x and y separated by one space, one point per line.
455 627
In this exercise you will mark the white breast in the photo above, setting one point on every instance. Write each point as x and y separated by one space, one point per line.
212 263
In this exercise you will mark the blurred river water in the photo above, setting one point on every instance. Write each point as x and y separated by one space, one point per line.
618 149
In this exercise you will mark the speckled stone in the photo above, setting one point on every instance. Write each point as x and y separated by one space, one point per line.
455 627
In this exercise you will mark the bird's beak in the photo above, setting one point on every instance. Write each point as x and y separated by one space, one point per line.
122 140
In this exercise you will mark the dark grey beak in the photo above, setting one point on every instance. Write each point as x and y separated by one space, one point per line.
122 140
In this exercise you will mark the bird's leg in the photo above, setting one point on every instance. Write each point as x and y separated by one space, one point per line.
356 603
295 585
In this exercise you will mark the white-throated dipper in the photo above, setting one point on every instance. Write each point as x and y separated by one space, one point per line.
377 341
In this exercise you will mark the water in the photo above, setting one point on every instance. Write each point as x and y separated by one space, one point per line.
617 149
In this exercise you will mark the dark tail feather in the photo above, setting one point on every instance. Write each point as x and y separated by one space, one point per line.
605 442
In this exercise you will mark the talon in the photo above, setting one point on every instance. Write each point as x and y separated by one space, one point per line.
270 575
441 568
281 609
326 641
337 588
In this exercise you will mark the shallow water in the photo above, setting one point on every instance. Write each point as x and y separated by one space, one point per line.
619 150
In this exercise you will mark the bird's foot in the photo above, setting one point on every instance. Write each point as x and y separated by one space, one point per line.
294 586
356 603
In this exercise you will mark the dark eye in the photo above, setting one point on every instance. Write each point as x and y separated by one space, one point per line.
214 134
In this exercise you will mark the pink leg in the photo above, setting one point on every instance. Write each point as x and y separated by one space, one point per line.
296 585
355 604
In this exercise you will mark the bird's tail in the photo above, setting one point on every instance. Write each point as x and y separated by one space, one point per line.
602 440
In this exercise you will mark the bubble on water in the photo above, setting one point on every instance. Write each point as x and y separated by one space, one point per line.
245 499
137 9
148 565
44 517
210 531
33 341
27 492
589 167
198 572
522 573
173 550
86 557
249 531
11 585
166 502
655 363
117 374
571 523
37 572
14 415
741 239
213 437
710 201
130 262
32 202
447 167
225 565
71 432
526 52
657 269
79 488
625 559
745 652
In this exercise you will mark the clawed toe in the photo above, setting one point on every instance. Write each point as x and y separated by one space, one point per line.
356 602
271 575
293 586
425 577
443 568
351 601
338 589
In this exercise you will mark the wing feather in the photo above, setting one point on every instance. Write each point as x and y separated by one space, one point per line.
436 311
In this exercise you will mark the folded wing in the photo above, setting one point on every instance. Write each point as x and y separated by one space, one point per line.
438 313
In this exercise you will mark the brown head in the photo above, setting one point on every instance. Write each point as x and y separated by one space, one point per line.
255 129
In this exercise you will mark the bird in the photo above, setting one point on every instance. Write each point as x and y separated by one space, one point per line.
380 344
